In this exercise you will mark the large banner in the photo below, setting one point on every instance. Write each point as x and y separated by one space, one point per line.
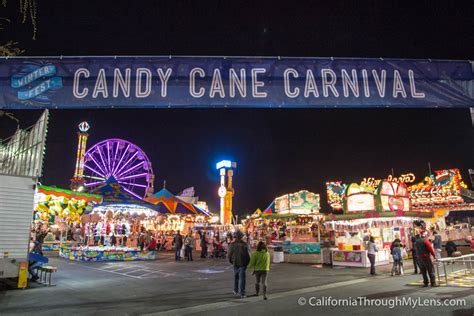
239 82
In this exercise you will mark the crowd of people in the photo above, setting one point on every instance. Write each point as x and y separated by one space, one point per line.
426 250
426 253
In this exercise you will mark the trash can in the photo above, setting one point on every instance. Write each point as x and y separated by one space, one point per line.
278 255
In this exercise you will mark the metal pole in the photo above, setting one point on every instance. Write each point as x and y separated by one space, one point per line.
437 270
445 273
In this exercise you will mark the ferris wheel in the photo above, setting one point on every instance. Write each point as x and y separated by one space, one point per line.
120 159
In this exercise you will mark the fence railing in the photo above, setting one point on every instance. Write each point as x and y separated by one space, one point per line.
466 261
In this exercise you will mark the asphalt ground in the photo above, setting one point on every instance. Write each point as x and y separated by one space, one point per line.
204 287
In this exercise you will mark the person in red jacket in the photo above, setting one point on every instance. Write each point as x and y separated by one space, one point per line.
424 250
151 246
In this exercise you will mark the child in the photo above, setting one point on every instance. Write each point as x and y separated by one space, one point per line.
260 260
397 259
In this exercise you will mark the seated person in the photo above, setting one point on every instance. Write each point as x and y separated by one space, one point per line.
35 260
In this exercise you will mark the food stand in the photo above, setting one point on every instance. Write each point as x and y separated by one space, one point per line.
291 223
389 209
383 212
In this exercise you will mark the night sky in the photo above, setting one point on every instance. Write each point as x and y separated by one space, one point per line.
277 151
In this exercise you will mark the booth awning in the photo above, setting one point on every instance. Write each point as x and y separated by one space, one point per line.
47 190
113 195
167 202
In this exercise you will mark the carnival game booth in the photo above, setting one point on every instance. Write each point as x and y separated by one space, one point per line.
384 213
60 211
113 227
291 223
180 215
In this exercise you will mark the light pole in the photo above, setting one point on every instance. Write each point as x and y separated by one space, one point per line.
226 192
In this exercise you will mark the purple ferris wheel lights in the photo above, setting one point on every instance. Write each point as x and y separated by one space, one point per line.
93 170
108 155
125 164
124 153
115 156
131 169
90 184
124 161
132 184
135 195
134 176
96 163
103 162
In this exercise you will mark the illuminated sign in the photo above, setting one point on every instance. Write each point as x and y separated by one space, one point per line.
302 202
404 178
360 202
232 82
392 196
226 164
358 199
442 188
335 193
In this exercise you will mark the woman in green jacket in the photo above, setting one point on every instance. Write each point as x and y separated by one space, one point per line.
260 261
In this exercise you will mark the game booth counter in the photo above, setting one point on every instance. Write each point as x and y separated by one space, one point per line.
100 254
60 211
181 216
112 229
291 226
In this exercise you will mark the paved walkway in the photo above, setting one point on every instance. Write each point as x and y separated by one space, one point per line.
205 287
461 278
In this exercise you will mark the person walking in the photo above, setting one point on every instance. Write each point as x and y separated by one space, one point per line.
424 250
141 240
437 244
203 245
371 252
189 245
260 261
178 244
239 257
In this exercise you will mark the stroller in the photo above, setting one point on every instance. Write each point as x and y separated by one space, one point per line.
219 250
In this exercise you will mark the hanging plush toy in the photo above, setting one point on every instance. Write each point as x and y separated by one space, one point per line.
41 207
71 207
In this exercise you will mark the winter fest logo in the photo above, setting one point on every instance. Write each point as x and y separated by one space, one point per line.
32 91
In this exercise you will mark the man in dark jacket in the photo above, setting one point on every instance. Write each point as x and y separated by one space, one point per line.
178 244
416 263
423 250
239 257
203 245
